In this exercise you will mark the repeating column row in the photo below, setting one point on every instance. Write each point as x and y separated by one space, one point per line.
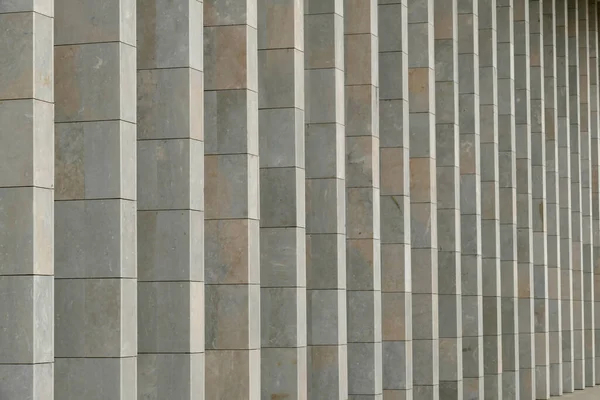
299 199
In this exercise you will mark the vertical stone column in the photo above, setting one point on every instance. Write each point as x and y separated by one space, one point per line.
552 207
490 212
564 170
325 200
282 199
395 200
470 199
232 258
595 146
95 209
524 200
586 287
448 199
539 204
589 274
508 199
576 214
363 248
423 199
170 152
26 200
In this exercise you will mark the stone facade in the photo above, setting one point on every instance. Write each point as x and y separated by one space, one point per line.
299 199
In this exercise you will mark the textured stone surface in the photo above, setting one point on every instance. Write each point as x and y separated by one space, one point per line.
232 200
95 228
508 199
575 131
448 194
470 199
595 152
282 199
423 198
553 308
26 200
359 200
363 244
564 157
490 211
396 300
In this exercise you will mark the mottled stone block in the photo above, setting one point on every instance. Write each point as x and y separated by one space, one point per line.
107 251
102 324
93 82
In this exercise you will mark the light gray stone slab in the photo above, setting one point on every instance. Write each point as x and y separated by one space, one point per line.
539 210
325 199
396 299
564 158
553 205
595 136
423 199
587 255
507 199
26 200
96 180
524 199
575 118
448 153
363 244
490 211
470 199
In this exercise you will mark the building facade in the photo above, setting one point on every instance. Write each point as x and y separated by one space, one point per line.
299 199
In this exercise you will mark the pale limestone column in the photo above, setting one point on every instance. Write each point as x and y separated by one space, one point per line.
396 296
470 199
26 200
595 146
564 168
552 207
423 198
363 248
325 200
508 199
490 212
539 208
282 199
96 338
576 191
524 200
232 211
589 272
586 193
448 199
170 151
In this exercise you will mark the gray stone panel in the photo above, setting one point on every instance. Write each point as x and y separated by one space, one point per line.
396 299
282 199
524 200
553 310
507 199
564 166
26 201
448 196
575 105
232 202
490 212
539 210
95 225
325 146
423 199
470 199
363 240
586 192
595 152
